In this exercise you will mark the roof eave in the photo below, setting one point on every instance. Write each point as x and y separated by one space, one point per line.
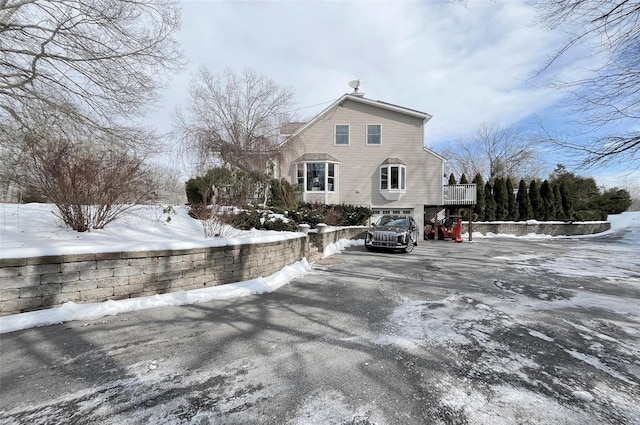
418 114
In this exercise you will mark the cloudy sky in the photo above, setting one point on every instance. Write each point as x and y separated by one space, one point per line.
465 64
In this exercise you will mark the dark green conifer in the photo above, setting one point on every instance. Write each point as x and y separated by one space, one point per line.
489 204
512 205
500 199
478 208
537 211
524 205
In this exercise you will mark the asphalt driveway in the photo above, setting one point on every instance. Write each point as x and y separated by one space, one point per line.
501 331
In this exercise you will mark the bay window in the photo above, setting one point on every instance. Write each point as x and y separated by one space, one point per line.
316 176
393 179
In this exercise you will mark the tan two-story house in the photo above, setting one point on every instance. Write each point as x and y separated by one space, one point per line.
364 152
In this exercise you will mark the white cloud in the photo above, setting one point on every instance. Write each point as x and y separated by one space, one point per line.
464 65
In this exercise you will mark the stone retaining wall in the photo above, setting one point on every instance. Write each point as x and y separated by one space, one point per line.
540 227
35 283
324 238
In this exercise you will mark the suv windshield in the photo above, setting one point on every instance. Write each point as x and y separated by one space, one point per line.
393 221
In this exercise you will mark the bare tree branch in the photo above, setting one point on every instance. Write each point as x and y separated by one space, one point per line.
608 93
106 57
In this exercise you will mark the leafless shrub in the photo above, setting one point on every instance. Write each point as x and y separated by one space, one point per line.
208 213
90 186
213 224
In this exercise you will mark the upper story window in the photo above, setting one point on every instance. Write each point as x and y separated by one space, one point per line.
342 135
374 134
393 179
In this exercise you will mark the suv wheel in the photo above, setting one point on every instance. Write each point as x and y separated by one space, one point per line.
410 245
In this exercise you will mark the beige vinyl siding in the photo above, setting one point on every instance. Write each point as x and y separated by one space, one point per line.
358 173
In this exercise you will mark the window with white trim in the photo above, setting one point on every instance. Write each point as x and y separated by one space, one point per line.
393 177
342 134
393 180
331 177
374 134
300 175
316 176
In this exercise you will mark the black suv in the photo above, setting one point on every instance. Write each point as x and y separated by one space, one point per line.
393 232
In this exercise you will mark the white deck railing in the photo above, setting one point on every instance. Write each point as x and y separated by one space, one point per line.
459 194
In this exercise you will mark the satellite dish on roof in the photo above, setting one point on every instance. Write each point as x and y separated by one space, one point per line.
354 85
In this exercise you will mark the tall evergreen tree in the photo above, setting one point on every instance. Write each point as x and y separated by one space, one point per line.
452 179
567 205
500 198
512 205
537 211
524 204
489 204
546 194
465 211
558 212
478 208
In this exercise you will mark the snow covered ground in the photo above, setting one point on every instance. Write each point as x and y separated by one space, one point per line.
31 230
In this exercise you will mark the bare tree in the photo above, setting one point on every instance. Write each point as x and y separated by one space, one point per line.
494 152
235 119
97 63
608 92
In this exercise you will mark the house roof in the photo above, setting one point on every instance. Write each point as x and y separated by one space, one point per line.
324 157
393 161
290 127
361 99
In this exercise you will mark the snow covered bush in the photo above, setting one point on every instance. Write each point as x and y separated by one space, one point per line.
252 217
